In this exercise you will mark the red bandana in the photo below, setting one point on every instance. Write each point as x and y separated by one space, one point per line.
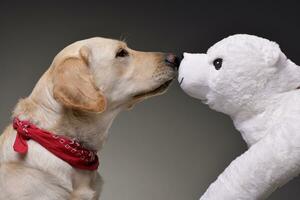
64 148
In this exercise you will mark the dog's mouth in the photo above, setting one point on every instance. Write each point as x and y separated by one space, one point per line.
159 90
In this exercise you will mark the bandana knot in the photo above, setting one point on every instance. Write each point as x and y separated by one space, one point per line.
22 128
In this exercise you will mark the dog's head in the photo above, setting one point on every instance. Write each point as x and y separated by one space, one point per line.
232 73
94 74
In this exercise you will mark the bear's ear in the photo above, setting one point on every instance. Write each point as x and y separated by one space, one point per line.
271 53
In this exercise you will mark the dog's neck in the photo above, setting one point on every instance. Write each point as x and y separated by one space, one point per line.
44 111
254 118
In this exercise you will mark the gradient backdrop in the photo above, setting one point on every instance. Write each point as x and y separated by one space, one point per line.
170 147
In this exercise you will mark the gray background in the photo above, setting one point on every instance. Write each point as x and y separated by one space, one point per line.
167 148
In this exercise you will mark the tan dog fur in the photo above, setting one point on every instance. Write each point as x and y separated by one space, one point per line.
84 89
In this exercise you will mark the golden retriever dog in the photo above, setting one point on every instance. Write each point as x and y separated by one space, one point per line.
78 97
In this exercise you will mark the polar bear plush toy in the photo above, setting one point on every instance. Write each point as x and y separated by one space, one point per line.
252 81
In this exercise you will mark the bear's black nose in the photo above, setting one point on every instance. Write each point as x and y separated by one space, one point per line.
173 61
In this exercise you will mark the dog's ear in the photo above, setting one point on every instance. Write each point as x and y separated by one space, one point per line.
271 53
74 86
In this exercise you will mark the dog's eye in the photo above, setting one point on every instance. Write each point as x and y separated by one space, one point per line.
122 53
218 63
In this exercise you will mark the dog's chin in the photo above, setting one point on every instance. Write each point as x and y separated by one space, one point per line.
154 92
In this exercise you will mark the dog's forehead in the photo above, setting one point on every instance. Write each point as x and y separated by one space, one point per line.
96 42
104 43
98 45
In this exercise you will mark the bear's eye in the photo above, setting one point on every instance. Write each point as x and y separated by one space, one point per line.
218 63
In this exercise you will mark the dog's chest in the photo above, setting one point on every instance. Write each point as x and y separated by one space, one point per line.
39 158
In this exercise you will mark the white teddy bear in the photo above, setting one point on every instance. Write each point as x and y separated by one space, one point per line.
252 81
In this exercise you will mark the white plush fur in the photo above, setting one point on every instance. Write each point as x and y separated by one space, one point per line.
258 87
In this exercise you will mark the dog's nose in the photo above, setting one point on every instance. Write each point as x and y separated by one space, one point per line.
173 61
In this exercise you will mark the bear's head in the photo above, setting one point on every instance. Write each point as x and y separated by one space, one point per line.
235 73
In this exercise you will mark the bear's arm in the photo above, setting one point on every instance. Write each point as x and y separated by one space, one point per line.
267 165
